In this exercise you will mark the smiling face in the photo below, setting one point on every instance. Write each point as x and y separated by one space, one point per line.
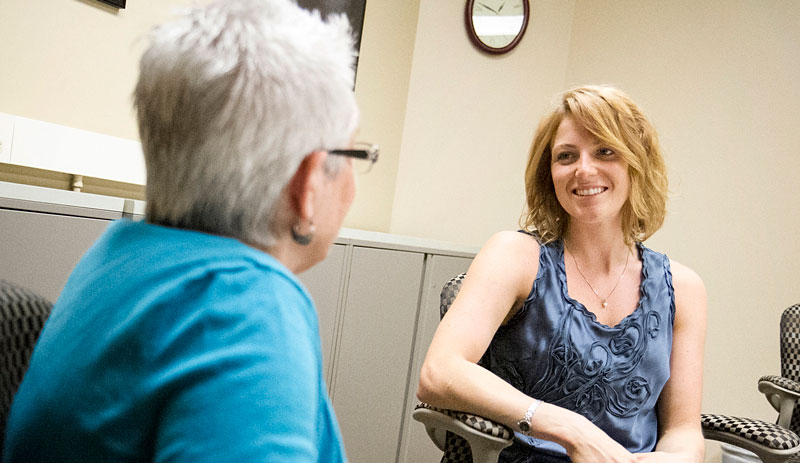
590 179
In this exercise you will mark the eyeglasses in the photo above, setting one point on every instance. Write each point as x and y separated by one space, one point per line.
364 156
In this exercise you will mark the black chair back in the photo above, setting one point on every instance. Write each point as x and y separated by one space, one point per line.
22 316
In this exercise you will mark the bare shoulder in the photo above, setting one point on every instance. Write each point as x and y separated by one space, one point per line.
509 261
690 293
513 239
684 278
514 249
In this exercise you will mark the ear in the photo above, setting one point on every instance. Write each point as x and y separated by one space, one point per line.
305 184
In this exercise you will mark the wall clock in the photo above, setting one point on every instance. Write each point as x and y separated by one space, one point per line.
496 26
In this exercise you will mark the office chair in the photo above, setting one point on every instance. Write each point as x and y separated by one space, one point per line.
22 316
462 436
772 443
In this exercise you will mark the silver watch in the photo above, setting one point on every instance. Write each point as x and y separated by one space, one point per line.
524 424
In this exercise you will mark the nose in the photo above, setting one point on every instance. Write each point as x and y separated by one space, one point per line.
585 166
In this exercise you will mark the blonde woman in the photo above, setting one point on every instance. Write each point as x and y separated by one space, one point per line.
572 332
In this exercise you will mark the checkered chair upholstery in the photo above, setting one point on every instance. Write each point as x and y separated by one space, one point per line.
790 360
773 443
449 292
462 436
22 315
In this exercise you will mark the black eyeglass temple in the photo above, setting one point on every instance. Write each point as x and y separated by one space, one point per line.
361 154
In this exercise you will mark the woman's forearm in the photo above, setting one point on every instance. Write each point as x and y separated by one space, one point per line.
479 391
463 385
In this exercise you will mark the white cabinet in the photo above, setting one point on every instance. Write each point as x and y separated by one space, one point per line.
377 296
325 281
416 446
384 318
369 383
39 250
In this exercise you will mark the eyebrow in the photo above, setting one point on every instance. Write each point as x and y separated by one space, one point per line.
574 147
564 145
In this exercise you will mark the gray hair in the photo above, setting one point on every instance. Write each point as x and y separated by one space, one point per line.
231 97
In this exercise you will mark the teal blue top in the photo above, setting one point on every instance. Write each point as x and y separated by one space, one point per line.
169 345
555 350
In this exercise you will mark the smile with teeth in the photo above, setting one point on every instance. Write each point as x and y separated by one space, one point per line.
589 191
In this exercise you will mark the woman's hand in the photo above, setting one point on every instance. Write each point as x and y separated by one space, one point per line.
601 450
585 442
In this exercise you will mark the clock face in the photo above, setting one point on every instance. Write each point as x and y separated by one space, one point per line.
497 8
497 23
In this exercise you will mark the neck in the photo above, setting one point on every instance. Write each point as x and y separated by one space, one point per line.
287 253
600 248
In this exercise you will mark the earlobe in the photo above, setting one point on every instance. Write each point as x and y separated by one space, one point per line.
303 238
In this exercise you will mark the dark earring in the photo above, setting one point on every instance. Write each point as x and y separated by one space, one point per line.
300 238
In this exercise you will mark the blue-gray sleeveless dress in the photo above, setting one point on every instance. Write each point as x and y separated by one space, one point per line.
555 350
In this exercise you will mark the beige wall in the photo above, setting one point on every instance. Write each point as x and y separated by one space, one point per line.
74 62
384 68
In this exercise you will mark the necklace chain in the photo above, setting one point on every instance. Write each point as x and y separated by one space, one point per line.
603 300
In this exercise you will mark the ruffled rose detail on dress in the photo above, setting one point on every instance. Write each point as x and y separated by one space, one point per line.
600 378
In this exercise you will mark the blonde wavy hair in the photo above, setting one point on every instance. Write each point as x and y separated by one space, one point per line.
612 117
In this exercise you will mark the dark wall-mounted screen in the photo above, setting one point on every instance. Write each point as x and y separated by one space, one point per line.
116 3
354 9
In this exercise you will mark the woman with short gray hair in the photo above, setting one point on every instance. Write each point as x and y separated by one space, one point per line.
187 337
230 99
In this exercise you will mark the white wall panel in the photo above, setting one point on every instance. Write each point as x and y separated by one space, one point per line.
43 145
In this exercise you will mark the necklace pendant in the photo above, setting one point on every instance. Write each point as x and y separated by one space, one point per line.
605 303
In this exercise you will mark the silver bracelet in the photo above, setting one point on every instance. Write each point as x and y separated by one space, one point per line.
524 424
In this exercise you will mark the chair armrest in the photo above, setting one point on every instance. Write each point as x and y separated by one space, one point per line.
782 393
790 386
770 442
486 438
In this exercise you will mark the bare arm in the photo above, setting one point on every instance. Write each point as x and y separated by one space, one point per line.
497 283
494 286
681 438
